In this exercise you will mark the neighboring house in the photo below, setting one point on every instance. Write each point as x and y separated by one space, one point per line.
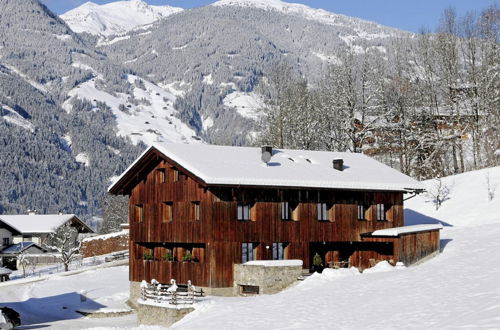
34 227
9 255
197 210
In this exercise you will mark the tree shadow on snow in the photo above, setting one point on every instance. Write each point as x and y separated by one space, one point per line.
415 218
36 312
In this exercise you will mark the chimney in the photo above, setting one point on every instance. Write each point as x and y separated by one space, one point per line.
338 164
31 212
268 149
267 153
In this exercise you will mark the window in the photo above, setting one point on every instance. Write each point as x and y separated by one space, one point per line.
196 210
247 252
285 211
6 241
249 289
279 251
160 175
138 213
289 211
381 212
363 212
176 174
324 212
244 211
167 212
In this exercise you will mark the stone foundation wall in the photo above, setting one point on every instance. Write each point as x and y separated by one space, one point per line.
270 280
160 316
98 246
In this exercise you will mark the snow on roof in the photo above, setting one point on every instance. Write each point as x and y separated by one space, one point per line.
37 223
222 165
396 231
274 263
5 271
19 247
106 236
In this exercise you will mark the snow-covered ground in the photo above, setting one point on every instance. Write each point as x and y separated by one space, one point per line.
457 289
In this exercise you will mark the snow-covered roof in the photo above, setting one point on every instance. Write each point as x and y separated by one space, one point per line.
5 271
396 231
36 223
19 247
222 165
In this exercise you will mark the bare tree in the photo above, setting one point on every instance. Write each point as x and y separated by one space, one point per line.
65 242
439 192
490 187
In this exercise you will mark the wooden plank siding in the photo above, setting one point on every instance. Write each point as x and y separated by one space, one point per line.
222 234
407 248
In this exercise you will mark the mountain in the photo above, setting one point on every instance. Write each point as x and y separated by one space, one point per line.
77 108
115 17
229 48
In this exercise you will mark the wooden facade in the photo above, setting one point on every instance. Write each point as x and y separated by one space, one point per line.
174 214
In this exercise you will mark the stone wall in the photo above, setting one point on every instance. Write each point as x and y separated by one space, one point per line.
104 244
149 314
269 279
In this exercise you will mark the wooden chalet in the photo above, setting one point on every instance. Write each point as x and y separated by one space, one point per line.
196 210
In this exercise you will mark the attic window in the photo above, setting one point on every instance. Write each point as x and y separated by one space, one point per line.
175 174
308 160
291 159
138 213
160 175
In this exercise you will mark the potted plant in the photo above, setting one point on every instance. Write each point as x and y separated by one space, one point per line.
168 257
188 257
317 263
147 256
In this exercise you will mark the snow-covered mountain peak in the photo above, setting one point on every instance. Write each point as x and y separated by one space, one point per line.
115 17
318 15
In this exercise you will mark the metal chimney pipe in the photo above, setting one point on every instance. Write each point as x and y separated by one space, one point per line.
338 164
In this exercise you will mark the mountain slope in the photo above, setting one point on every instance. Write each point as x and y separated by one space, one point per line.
115 17
216 57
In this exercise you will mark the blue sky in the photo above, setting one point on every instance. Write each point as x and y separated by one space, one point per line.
408 15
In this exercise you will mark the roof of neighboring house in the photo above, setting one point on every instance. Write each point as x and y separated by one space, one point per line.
242 166
40 223
5 271
20 247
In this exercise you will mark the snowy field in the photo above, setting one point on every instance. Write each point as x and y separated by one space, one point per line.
457 289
